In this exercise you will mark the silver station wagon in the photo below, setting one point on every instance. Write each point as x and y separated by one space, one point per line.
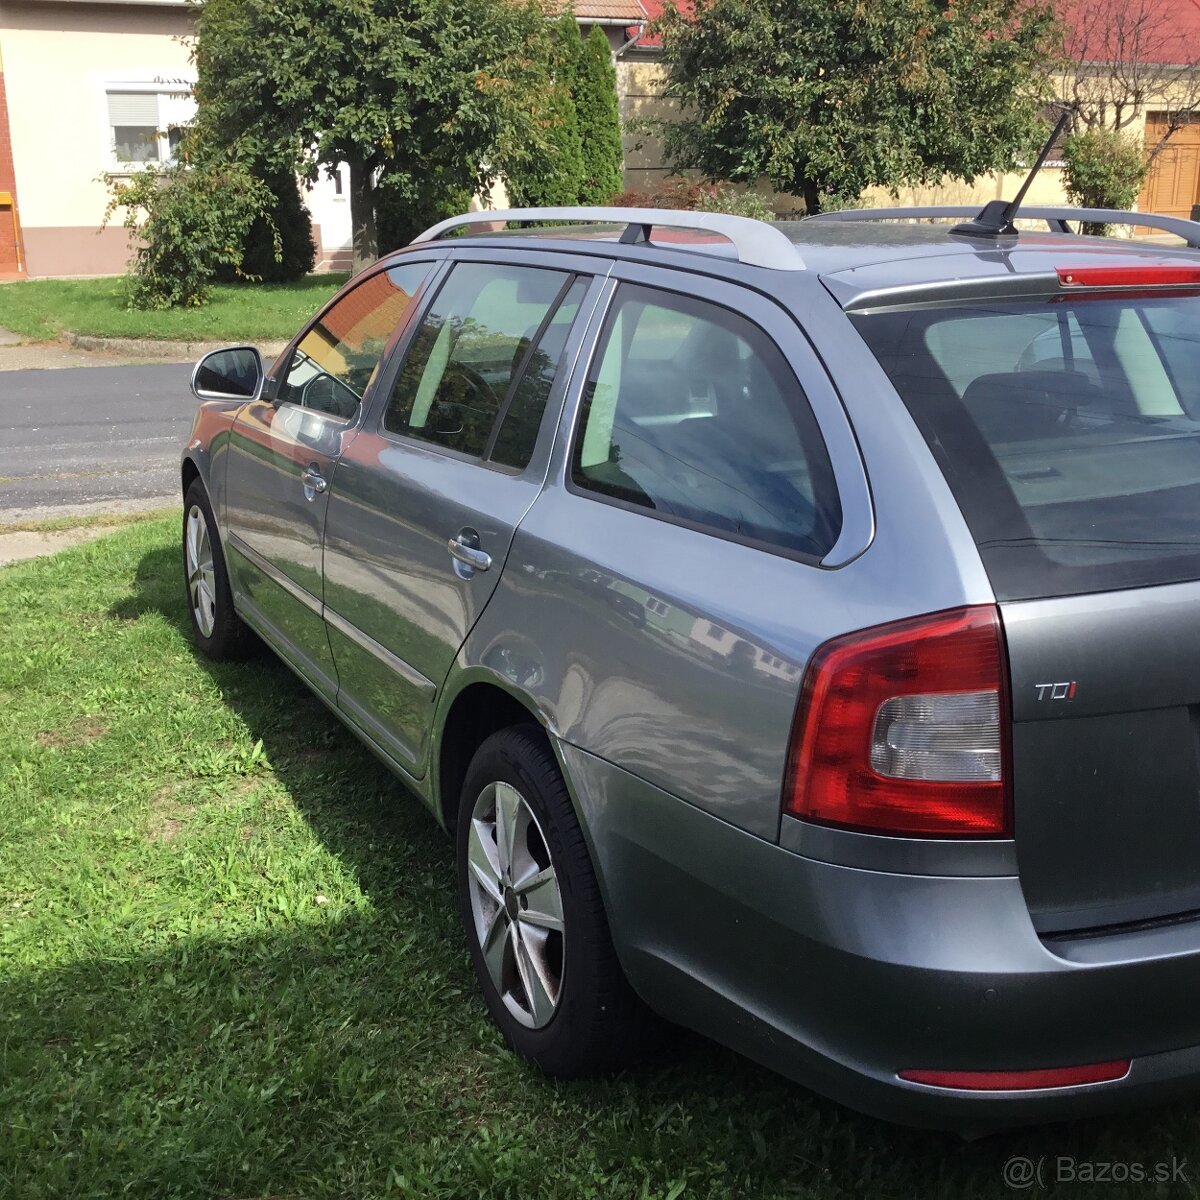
797 627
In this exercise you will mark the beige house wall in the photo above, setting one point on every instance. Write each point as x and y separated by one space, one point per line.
60 59
639 95
63 57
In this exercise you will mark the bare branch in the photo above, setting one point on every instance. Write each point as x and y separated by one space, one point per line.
1127 58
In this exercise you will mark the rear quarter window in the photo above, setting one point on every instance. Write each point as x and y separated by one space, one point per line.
692 414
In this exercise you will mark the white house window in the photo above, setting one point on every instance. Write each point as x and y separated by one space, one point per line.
145 126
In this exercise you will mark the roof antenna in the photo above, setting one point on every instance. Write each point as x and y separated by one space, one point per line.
996 219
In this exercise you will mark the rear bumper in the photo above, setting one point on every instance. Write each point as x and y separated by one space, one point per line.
841 977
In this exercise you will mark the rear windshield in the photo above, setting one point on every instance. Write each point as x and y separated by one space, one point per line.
1068 430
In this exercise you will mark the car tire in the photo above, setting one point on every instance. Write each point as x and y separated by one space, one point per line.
559 996
218 630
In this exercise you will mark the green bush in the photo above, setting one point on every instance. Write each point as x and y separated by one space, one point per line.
1103 169
554 176
599 119
297 252
696 195
189 223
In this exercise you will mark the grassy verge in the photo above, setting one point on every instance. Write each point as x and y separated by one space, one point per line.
43 308
230 964
115 520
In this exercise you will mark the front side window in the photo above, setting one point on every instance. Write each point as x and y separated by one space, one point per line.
692 413
338 357
471 349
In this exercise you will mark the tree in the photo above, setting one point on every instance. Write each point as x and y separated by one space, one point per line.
595 92
427 94
1125 58
555 175
828 97
402 211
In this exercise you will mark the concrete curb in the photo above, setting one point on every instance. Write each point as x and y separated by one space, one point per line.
159 348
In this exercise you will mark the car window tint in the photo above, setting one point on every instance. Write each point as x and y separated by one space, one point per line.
1077 468
692 412
338 357
1045 341
520 424
471 343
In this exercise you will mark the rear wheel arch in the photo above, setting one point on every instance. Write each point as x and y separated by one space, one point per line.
480 709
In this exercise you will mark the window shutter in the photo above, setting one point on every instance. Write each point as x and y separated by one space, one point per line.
137 109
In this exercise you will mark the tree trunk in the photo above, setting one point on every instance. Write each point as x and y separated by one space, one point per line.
812 197
362 214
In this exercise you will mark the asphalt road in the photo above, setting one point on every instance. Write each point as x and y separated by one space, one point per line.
91 438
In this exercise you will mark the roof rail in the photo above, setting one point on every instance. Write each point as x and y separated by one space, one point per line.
1056 218
756 243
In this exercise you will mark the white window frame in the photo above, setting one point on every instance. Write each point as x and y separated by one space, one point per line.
168 91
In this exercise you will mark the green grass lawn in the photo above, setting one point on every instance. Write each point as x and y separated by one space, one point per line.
44 308
230 964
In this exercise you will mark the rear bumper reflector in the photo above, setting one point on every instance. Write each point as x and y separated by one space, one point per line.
1021 1081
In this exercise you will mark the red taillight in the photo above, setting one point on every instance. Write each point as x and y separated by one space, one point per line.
904 729
1021 1081
1151 276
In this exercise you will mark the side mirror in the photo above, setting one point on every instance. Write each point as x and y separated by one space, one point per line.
233 374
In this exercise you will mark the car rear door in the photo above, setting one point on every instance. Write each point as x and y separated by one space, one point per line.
677 560
283 450
429 494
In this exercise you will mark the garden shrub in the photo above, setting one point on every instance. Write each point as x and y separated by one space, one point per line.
297 251
189 221
1103 169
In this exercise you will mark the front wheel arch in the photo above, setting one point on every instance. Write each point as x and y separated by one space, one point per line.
189 473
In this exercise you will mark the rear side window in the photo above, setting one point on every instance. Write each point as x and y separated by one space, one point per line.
1068 430
472 347
692 413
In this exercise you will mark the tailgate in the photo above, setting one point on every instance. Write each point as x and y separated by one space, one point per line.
1106 754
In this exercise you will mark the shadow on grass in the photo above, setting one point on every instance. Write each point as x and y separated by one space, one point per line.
352 1057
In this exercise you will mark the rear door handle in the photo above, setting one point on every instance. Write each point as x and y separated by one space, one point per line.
465 549
313 480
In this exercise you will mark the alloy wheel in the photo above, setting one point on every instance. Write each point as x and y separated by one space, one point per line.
202 584
516 904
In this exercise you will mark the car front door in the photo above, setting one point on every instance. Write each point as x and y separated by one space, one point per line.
283 453
429 495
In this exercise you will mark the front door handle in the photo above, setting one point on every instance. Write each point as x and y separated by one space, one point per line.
313 480
465 549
